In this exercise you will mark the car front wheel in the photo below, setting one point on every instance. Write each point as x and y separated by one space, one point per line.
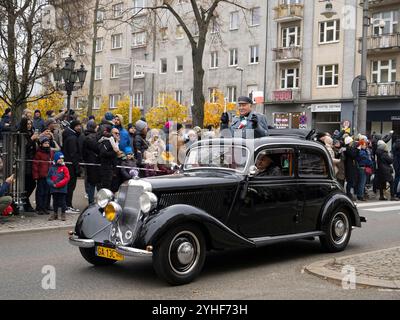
90 256
180 254
337 230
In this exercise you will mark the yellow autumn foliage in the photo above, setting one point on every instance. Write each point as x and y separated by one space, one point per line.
122 109
168 110
54 102
213 111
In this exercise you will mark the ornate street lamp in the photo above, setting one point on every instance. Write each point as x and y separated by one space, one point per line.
70 77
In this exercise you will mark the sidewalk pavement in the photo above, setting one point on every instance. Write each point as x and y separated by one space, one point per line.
25 222
379 269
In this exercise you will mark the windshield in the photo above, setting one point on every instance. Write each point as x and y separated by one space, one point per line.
218 156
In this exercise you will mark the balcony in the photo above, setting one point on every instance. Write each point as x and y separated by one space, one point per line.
384 89
288 12
288 95
383 42
288 55
377 3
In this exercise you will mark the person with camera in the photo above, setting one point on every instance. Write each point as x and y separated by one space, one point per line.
248 119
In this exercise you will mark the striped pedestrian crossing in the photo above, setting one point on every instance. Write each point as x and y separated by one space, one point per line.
380 206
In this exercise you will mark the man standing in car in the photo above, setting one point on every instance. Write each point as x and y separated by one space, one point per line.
247 120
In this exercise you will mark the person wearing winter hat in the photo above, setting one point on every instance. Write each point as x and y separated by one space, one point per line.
140 144
348 140
129 164
40 169
123 133
57 179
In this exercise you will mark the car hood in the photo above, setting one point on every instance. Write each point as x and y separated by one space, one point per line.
194 180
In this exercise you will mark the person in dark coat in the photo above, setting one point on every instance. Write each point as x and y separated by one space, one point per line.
38 122
31 139
350 165
72 154
374 142
140 144
128 171
385 170
396 164
108 156
90 154
5 122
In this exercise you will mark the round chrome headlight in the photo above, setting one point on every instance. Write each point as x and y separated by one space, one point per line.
148 201
112 211
104 196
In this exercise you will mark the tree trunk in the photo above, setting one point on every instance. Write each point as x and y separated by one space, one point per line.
198 82
93 61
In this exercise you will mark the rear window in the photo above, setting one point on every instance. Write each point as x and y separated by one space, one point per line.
312 164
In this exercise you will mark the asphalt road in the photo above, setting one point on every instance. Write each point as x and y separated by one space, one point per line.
273 272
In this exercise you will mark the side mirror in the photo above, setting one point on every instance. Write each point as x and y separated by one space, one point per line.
252 171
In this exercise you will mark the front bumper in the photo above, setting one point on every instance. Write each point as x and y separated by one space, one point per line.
125 251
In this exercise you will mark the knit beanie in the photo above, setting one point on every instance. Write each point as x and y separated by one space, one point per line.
109 116
58 155
140 125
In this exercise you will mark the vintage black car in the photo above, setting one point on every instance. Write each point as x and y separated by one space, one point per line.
223 198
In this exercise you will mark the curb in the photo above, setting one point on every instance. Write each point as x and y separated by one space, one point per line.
319 269
15 231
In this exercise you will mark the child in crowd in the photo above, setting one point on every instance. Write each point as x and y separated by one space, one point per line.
57 179
40 168
129 163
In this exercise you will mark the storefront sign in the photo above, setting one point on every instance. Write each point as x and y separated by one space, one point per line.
326 107
281 120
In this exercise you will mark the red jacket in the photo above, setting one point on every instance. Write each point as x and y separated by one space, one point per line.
40 168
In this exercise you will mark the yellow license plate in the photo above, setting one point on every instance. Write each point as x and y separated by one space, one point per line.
109 253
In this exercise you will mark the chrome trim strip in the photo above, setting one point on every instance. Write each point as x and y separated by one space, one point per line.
133 252
82 243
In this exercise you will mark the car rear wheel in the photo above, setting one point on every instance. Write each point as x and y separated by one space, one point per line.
90 256
180 254
337 230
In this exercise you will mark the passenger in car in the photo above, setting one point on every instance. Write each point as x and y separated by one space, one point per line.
266 166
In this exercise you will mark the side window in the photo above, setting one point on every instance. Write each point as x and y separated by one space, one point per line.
274 163
312 164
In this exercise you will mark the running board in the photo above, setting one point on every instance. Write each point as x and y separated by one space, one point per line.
259 242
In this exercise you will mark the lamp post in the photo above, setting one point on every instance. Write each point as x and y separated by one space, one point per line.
73 79
241 79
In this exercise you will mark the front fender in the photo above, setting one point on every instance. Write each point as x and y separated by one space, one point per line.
336 201
218 234
92 225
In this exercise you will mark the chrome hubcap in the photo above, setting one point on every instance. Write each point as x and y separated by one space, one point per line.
340 228
185 253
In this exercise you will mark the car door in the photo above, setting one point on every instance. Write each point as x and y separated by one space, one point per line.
315 184
270 203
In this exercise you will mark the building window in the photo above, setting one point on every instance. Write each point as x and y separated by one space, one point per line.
114 99
99 44
384 71
251 89
97 102
178 96
114 71
290 78
254 55
179 32
290 37
234 20
118 10
329 31
80 102
391 19
328 76
255 18
179 64
98 73
138 39
212 94
138 6
138 75
233 57
232 94
138 100
116 41
163 66
81 48
214 60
